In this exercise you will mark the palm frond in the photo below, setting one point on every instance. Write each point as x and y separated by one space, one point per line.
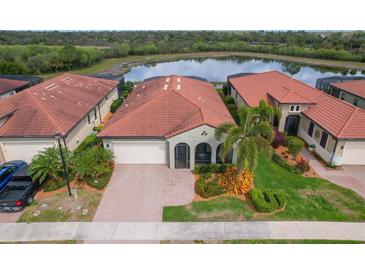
222 129
264 129
247 154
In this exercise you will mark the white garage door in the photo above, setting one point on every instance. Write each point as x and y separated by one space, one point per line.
354 153
142 152
23 150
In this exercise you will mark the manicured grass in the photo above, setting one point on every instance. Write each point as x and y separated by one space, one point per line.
87 198
292 242
109 63
307 199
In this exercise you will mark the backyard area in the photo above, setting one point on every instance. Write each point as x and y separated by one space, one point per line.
308 198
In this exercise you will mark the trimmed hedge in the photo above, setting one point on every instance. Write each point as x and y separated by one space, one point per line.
295 145
89 141
206 188
267 200
52 185
211 168
116 104
293 169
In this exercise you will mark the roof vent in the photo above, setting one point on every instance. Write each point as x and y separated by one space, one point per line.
165 86
51 86
67 79
178 80
178 87
167 80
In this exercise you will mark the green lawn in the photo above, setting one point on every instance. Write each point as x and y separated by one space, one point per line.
307 199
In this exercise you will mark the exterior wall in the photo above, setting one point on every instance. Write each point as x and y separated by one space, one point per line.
326 153
285 112
237 97
193 138
7 94
23 148
83 129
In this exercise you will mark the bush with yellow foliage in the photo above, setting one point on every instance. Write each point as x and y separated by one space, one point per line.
235 181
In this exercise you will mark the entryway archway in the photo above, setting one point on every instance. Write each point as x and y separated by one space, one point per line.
182 156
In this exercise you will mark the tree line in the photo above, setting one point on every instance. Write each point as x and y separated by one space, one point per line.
29 52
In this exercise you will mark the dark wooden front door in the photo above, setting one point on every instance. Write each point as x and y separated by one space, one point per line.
182 156
292 124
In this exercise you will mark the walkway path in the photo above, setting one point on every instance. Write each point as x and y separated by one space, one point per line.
352 177
153 231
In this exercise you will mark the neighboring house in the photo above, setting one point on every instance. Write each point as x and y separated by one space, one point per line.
168 120
349 91
11 84
335 127
69 104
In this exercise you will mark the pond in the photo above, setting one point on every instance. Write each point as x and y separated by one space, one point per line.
217 69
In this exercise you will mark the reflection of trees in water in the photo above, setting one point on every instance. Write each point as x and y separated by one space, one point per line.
292 68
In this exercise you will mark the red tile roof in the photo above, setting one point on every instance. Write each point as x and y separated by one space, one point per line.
166 106
10 84
339 118
356 87
56 105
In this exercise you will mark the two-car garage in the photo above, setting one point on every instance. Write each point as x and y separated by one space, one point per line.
353 153
138 152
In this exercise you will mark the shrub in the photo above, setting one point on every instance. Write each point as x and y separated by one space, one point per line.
235 181
293 169
280 139
89 142
52 185
128 86
303 165
295 145
233 110
205 187
211 168
267 200
116 104
98 128
229 100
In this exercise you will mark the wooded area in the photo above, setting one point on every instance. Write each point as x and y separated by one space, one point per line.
30 52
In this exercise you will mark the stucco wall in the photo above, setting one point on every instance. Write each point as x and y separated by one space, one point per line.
285 112
7 94
193 138
237 97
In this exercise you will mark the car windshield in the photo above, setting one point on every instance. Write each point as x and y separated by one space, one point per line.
5 171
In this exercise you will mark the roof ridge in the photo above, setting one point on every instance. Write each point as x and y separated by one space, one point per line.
191 102
347 122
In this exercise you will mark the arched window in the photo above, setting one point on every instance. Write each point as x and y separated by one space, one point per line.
229 156
182 156
203 154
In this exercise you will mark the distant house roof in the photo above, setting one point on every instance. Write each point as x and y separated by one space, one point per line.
356 87
7 85
339 118
56 105
166 106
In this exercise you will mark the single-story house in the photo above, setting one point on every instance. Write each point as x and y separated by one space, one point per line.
335 127
349 91
168 120
9 87
68 104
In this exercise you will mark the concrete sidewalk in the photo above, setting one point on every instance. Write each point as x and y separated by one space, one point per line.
155 231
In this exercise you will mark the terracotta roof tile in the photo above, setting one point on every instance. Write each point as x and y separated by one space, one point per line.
166 106
338 117
356 87
54 105
10 84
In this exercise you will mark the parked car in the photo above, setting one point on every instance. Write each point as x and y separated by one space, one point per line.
18 193
9 169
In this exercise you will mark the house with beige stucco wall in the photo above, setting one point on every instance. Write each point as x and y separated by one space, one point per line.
334 127
168 120
68 104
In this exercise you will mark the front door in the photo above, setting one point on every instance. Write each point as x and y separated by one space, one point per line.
182 156
292 124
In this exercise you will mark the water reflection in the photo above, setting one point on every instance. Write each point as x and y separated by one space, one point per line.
217 69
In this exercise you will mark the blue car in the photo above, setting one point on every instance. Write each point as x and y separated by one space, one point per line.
9 169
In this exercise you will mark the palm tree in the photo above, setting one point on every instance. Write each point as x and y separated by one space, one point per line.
46 164
250 137
264 111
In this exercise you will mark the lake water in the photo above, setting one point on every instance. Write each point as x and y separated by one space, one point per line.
217 69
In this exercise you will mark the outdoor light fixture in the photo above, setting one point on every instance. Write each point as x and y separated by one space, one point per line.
58 137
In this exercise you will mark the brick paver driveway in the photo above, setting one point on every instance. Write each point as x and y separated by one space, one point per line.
139 192
9 217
